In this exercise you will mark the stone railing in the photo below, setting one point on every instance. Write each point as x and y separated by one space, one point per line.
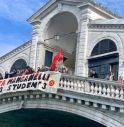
91 86
76 91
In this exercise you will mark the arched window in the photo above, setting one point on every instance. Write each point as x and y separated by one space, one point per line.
19 64
104 46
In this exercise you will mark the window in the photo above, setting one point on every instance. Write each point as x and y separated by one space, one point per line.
48 58
104 46
19 64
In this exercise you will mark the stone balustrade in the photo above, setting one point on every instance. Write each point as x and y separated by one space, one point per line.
91 86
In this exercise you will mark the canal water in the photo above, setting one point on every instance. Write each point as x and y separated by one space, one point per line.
44 118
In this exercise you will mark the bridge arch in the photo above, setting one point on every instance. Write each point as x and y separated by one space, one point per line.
64 119
55 104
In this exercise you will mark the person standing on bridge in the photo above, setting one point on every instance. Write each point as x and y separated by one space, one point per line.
94 74
111 77
1 77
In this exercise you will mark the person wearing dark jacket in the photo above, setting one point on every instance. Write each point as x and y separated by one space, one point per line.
6 75
94 74
1 77
13 73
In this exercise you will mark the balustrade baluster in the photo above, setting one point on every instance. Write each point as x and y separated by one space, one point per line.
112 91
100 89
108 91
72 85
82 86
68 85
75 85
78 85
74 82
37 96
64 84
92 87
96 88
117 92
87 86
14 98
61 83
104 90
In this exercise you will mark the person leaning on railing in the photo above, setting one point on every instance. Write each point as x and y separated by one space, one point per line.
19 72
120 79
6 75
13 73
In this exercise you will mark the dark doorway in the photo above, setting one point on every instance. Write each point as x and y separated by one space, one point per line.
48 58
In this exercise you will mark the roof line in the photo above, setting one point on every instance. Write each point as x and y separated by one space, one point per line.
9 53
43 8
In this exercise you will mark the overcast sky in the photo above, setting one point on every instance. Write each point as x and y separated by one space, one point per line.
14 30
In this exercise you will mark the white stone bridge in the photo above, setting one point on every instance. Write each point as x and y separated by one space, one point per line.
98 100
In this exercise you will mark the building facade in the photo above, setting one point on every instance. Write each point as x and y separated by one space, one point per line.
90 36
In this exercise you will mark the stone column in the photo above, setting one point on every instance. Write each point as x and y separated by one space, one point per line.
37 54
35 40
81 67
40 54
121 65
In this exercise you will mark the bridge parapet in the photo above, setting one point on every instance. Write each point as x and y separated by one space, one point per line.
97 87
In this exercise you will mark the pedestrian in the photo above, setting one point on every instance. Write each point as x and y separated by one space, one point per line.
6 75
91 73
94 74
1 77
111 76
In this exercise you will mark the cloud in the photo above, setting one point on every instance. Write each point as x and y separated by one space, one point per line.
19 10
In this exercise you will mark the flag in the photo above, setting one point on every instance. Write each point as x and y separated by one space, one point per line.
58 57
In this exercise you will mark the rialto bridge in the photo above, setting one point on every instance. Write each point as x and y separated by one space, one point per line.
91 37
98 100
